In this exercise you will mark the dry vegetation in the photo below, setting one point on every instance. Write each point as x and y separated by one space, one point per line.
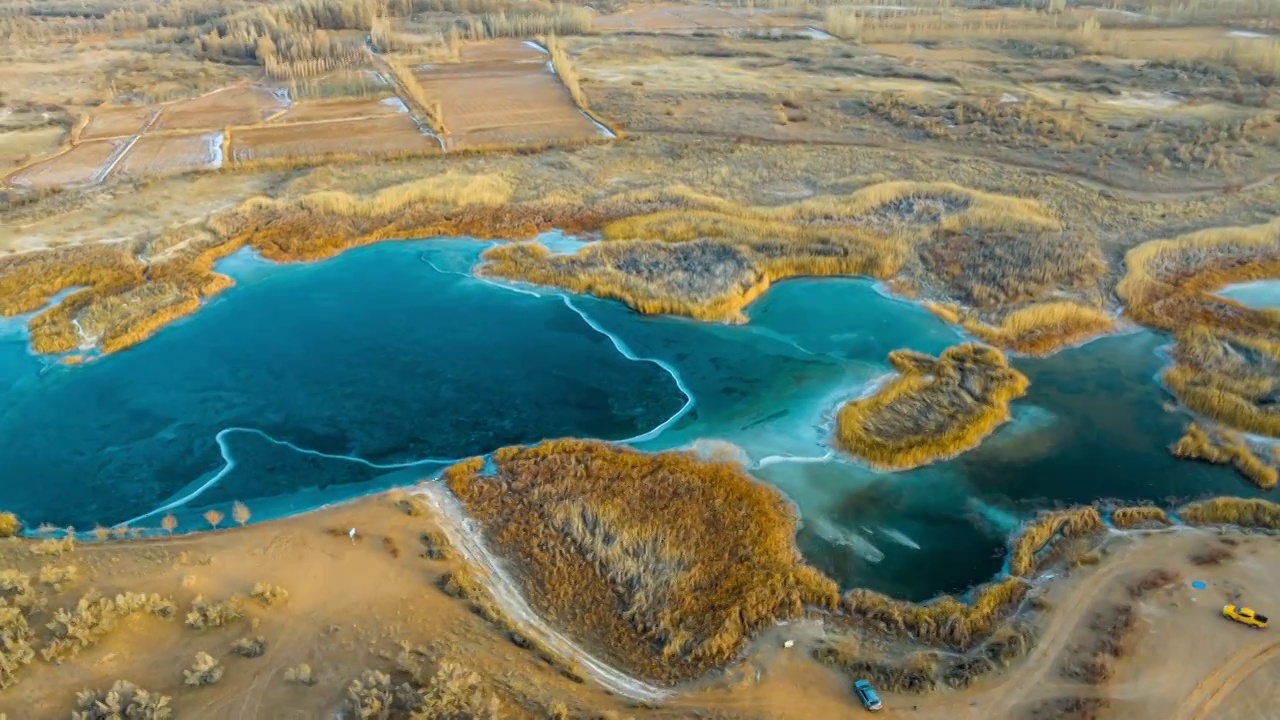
634 553
1226 447
933 408
1045 530
1226 356
1241 512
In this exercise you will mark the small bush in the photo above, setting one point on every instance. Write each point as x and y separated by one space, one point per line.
10 526
206 671
269 595
124 701
1153 580
57 576
371 696
300 674
436 544
1213 554
249 648
206 614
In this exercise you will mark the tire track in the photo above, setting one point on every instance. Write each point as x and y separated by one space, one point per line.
466 539
1213 689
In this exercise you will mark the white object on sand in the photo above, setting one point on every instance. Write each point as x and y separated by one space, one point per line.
788 643
352 534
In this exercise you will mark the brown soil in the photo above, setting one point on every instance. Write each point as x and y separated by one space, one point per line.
155 154
77 166
217 110
506 95
389 134
117 122
336 110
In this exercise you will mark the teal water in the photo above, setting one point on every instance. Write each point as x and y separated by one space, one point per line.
1258 294
308 384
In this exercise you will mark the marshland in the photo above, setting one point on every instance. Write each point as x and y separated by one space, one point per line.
723 325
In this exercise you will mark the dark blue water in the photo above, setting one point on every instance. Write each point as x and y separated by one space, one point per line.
308 384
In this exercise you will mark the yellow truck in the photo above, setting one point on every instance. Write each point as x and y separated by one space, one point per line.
1245 616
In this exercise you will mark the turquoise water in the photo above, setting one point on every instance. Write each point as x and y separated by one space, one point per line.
308 384
1258 294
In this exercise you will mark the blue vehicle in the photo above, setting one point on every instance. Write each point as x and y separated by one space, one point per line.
866 693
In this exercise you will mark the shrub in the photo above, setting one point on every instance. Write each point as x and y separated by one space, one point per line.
124 701
300 674
1139 516
1048 526
370 695
1213 554
57 576
436 545
207 614
249 648
268 594
205 671
240 512
1232 511
10 525
93 617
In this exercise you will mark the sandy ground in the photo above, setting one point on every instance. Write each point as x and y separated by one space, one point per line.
155 154
351 604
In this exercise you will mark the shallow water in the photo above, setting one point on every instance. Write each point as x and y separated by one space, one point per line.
308 384
1258 294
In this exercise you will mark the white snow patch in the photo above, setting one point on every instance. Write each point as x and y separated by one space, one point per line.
817 34
396 103
537 47
1248 34
1007 98
1146 100
214 150
603 130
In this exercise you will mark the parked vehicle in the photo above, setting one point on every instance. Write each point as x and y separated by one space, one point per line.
866 693
1245 615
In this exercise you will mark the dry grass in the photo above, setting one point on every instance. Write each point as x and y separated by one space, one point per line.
710 278
1224 447
933 408
10 525
647 566
1044 328
123 701
1048 527
1241 512
945 622
1140 516
916 673
988 270
1227 359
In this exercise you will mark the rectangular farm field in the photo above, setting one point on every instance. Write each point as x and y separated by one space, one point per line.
117 121
158 154
88 162
222 108
505 103
372 136
329 110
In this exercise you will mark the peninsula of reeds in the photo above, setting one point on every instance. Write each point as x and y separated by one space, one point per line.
663 563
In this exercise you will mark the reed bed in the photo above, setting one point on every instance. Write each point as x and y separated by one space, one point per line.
933 408
710 279
1047 528
1224 447
1242 512
945 622
988 269
1139 516
1227 356
1044 328
665 563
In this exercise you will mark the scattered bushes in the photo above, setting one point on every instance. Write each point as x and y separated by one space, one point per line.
933 409
436 545
124 701
268 594
594 527
206 671
207 614
1113 628
16 639
914 674
93 617
57 576
1211 554
1153 580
